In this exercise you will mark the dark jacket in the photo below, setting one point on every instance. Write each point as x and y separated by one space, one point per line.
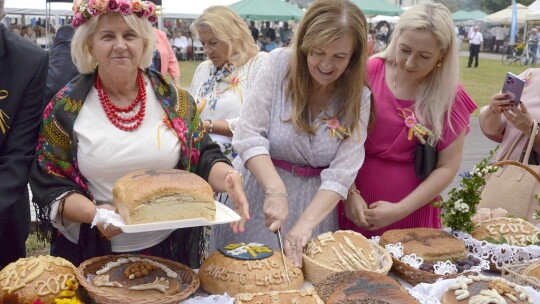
61 67
23 72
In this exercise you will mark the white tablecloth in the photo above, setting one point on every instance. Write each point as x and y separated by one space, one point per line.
431 292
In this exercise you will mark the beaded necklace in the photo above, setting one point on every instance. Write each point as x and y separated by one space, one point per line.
124 118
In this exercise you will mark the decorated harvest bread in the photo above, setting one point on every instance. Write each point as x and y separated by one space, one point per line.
306 296
516 231
43 278
150 196
362 287
137 277
432 245
342 250
248 268
533 270
483 289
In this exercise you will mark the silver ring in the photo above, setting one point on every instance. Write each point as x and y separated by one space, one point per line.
294 245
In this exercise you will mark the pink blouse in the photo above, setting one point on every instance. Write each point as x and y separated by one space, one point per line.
169 63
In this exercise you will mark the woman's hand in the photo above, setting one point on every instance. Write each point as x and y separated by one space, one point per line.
295 241
111 230
500 103
275 209
381 214
519 118
234 185
355 207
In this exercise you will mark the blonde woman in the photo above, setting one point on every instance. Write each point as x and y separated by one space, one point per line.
416 91
302 129
220 84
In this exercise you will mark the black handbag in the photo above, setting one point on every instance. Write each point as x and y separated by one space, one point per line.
425 159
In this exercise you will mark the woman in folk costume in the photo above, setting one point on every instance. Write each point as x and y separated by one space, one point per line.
117 117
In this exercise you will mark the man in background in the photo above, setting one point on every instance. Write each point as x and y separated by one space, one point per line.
476 41
23 75
61 67
254 30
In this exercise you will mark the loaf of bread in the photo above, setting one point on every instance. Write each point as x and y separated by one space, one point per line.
432 245
224 273
151 196
484 289
362 287
305 296
41 278
516 231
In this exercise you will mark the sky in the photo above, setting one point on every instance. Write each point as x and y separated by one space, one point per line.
169 6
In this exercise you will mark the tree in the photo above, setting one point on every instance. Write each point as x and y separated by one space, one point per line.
491 6
488 6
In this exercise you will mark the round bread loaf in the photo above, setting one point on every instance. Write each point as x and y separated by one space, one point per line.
533 271
305 296
36 278
151 196
516 231
484 289
223 274
362 287
432 245
343 250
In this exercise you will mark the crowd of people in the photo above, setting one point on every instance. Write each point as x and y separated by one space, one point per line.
313 135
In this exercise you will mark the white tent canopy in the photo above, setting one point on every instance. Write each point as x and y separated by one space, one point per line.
389 19
505 16
534 11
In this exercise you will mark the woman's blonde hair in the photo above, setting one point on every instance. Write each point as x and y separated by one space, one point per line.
80 44
229 28
325 22
435 95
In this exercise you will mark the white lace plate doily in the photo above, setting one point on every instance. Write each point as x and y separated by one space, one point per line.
499 254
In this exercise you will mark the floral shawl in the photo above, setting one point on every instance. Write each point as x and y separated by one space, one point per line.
56 171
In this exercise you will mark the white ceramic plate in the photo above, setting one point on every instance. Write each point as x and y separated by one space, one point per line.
224 215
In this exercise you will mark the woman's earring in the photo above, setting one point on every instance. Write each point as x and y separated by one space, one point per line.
439 64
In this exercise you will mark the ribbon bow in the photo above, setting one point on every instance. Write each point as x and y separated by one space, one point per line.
415 128
3 116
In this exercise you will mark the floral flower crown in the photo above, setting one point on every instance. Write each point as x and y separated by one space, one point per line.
83 11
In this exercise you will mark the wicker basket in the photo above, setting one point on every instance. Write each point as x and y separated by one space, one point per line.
187 278
514 274
315 272
415 276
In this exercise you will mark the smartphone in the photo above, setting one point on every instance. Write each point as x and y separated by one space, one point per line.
513 86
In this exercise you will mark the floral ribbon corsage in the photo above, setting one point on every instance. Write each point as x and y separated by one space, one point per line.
336 129
415 127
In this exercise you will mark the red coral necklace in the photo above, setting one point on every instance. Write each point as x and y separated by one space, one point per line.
124 118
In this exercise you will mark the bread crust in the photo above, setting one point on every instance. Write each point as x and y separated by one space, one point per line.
515 230
220 274
149 196
362 286
33 278
432 245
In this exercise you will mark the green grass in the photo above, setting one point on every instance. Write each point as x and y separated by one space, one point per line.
483 82
480 83
187 69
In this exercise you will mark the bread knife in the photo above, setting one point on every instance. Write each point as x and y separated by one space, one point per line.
280 243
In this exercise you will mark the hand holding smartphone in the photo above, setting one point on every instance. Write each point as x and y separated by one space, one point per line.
513 86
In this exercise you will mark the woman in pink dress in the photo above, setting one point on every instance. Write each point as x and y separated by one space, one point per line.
417 97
